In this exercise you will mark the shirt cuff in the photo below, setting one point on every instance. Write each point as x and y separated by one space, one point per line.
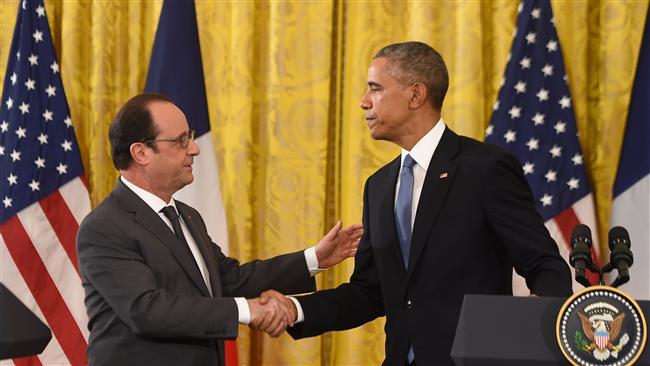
244 310
312 261
301 316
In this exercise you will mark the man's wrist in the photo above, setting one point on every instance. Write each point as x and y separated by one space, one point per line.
312 261
244 310
300 316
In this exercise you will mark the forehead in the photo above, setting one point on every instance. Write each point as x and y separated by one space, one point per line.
168 118
379 71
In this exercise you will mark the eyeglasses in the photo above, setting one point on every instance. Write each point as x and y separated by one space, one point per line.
183 140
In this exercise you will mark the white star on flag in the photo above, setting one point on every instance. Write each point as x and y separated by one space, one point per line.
47 115
42 138
551 46
528 168
13 180
515 112
546 200
24 108
38 36
556 151
520 87
530 37
66 145
533 144
542 95
50 90
565 102
551 176
40 162
30 84
33 60
21 133
34 185
62 168
577 159
15 155
573 183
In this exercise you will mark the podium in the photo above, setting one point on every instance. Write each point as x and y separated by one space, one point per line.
21 332
506 330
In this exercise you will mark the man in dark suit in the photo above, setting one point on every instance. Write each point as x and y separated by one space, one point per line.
450 216
158 291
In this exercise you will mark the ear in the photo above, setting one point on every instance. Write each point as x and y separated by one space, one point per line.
140 153
419 95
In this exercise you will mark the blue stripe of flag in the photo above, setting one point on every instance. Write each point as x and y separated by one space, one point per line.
176 69
635 155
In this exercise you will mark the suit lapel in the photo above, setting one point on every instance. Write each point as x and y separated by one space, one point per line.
151 221
203 243
440 175
387 215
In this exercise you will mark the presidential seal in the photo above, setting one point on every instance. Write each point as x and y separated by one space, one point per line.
601 325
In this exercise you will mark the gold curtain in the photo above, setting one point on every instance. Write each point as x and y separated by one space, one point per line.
284 80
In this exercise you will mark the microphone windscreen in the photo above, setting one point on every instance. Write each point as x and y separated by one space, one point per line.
580 233
618 234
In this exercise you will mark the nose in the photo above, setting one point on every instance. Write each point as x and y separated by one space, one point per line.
193 148
365 102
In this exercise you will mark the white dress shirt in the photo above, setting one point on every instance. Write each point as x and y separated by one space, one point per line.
422 153
157 204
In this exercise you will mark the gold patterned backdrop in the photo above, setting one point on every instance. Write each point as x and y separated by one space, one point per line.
284 80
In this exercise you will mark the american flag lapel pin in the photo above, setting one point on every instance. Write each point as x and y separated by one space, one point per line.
444 175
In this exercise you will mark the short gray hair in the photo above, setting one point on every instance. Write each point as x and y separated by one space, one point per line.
417 62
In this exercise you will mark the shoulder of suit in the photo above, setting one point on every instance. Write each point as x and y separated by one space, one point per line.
474 149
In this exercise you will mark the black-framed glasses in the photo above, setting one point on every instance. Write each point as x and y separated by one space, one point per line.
183 140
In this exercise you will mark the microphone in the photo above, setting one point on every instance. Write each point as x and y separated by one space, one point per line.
620 255
580 256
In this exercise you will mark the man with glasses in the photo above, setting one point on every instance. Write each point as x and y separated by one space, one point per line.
158 290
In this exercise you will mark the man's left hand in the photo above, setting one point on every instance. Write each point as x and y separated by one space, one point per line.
338 245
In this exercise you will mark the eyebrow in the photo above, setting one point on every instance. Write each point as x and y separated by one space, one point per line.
372 83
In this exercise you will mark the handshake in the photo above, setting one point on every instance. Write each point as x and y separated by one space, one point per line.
272 313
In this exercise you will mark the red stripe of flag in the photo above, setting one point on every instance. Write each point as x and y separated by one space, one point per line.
44 291
63 222
27 361
566 221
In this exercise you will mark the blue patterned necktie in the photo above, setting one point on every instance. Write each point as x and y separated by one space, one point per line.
403 208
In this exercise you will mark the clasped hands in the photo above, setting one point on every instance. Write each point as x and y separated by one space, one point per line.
273 312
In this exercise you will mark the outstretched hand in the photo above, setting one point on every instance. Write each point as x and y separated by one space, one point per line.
338 245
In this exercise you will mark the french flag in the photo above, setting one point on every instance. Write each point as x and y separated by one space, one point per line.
631 208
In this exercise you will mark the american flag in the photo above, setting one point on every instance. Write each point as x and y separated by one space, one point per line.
43 195
533 118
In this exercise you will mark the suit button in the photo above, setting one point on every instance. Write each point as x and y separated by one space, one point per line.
409 304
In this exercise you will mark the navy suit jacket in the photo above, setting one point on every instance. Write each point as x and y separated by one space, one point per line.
475 220
146 300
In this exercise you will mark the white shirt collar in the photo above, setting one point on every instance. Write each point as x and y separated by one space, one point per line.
423 150
153 201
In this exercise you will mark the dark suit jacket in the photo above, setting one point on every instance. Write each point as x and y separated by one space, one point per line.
146 300
470 228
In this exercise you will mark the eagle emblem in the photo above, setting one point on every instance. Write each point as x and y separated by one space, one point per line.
601 324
